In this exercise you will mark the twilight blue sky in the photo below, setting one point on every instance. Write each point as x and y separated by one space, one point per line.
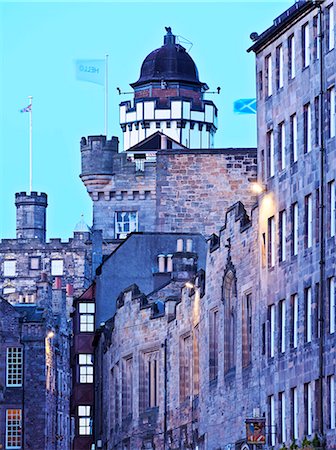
38 45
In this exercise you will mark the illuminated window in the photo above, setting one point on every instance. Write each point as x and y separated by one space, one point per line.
84 420
126 222
9 268
271 242
307 125
282 325
305 45
86 317
295 228
308 315
291 57
270 153
271 316
282 145
57 267
295 319
13 429
294 146
268 71
85 368
282 236
309 220
272 431
14 367
330 28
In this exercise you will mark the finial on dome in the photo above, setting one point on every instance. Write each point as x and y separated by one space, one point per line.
169 38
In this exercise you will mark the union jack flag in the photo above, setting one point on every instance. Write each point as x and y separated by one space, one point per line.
26 109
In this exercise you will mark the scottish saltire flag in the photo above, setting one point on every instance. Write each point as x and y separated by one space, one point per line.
26 109
245 106
91 70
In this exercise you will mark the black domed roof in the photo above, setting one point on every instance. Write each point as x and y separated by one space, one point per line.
170 62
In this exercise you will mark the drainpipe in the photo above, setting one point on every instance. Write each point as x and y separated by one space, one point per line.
321 307
165 396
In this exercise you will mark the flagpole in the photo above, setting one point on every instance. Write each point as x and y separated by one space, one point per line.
106 94
30 144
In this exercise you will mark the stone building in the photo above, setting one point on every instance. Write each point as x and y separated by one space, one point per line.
254 339
35 371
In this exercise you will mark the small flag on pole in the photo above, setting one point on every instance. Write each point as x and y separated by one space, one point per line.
91 70
245 106
26 109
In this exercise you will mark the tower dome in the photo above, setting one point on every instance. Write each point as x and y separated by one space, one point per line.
170 62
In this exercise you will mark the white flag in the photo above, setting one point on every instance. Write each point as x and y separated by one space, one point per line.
91 70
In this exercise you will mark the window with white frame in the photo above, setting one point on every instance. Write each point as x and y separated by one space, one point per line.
331 111
282 399
332 405
271 242
307 125
279 66
86 317
309 220
272 330
57 267
272 420
294 134
282 328
332 207
14 367
295 228
308 408
13 429
305 45
85 368
282 146
283 227
126 222
270 153
269 77
291 57
295 319
295 413
84 420
332 310
330 28
308 315
9 268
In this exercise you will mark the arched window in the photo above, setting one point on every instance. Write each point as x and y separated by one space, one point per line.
230 319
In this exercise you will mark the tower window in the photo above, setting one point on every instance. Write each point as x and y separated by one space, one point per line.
9 268
125 222
57 267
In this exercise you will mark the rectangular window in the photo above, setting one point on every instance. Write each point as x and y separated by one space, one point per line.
316 31
270 153
331 111
268 72
331 298
9 268
260 84
295 228
283 227
317 120
271 315
309 220
85 367
295 413
308 408
196 374
34 262
153 381
185 368
305 45
127 387
279 67
272 420
271 242
126 222
86 317
294 149
13 429
291 57
282 409
213 351
295 318
308 314
282 326
57 267
307 127
263 250
332 405
247 329
14 367
332 207
330 28
84 420
282 145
